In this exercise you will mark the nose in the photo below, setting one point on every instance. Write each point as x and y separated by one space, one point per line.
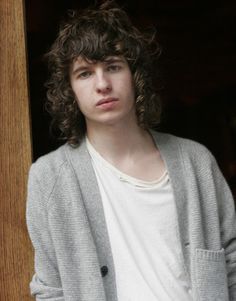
103 84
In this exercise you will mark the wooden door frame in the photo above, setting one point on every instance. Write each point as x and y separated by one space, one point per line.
16 261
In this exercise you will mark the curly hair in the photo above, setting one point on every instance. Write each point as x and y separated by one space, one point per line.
95 34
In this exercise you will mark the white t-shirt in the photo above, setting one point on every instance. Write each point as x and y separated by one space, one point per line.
142 224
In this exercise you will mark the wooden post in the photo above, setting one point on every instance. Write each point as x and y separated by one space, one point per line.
15 154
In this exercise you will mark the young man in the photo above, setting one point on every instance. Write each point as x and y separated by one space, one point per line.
121 212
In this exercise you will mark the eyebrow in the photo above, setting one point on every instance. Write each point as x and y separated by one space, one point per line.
111 60
85 65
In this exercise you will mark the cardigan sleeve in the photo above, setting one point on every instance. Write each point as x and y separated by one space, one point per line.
46 283
228 227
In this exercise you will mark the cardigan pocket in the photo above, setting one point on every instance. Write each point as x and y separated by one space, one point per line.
209 270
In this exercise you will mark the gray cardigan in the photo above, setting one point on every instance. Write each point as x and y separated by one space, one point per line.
66 223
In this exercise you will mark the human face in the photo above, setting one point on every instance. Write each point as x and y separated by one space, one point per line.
104 91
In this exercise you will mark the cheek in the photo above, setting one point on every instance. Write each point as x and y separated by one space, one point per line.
79 97
126 84
130 84
131 88
76 92
82 102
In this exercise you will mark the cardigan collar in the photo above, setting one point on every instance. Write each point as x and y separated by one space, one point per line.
81 162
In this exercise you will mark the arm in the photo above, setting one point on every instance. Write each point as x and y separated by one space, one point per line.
228 227
45 284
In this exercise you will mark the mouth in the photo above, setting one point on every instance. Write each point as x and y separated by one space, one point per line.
104 101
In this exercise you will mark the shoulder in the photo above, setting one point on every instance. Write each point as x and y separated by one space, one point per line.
49 164
48 171
188 149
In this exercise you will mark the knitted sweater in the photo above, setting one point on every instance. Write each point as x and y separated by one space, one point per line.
66 223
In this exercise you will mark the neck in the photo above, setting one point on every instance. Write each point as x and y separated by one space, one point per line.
130 149
115 142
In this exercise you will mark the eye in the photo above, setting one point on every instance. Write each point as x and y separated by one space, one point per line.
84 74
113 68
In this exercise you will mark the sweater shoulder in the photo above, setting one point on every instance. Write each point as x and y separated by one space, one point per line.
188 148
51 163
45 172
195 151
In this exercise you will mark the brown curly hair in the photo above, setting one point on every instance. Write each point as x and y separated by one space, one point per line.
95 34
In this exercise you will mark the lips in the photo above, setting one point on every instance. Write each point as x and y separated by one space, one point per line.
106 101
